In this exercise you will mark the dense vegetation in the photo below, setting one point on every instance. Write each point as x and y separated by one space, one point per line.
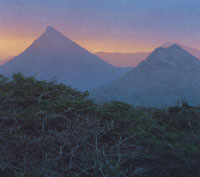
51 130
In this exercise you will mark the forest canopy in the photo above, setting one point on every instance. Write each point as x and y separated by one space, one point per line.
51 130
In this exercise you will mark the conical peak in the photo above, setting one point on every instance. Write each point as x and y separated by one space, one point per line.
52 40
50 29
51 34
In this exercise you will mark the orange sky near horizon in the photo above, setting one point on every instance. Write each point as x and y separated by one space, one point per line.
13 43
111 26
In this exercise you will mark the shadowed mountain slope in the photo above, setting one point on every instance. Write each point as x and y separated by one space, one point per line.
54 56
167 75
194 51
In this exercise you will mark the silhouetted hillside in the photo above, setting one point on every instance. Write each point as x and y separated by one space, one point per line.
167 75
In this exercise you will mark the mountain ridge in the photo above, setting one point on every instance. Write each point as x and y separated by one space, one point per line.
133 59
54 56
161 79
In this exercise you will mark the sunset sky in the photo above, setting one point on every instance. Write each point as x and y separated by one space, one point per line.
100 25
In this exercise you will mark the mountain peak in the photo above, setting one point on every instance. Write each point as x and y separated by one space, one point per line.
167 75
50 29
54 39
175 46
53 55
173 49
170 45
172 56
167 44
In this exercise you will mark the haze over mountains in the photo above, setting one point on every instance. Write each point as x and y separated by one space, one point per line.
166 75
123 59
54 56
128 59
133 59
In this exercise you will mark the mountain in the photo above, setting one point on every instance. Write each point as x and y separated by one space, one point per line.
193 51
133 59
54 56
6 60
167 75
123 59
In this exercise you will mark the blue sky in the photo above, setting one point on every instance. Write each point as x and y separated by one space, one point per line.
112 25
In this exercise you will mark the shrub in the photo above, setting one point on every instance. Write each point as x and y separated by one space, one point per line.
52 130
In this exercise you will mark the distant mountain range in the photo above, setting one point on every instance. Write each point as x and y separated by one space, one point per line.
54 56
123 59
167 75
128 59
133 59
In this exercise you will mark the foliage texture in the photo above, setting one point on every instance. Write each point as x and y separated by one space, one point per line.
51 130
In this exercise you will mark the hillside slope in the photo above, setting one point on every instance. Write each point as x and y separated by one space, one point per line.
167 75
